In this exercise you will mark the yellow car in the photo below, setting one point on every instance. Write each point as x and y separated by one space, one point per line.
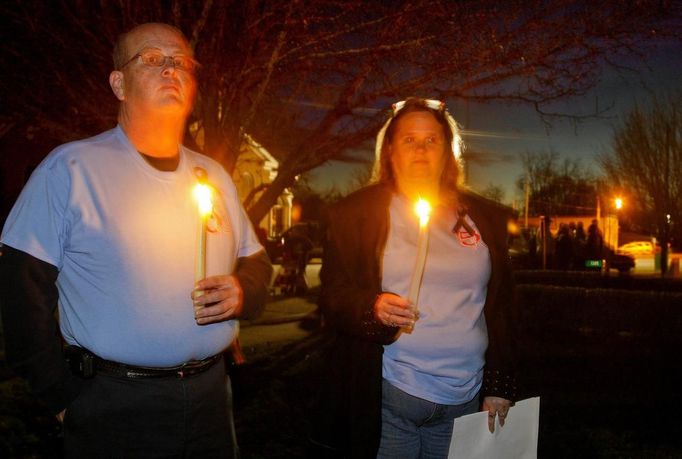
637 248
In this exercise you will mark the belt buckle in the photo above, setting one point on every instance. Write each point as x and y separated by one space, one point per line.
181 371
192 367
189 368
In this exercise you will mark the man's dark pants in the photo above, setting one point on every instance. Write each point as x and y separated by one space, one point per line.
149 418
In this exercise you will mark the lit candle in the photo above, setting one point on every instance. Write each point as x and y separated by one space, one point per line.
423 210
202 192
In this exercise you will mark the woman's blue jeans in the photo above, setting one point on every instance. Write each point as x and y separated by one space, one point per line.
414 428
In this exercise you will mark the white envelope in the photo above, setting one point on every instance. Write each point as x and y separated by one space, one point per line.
518 439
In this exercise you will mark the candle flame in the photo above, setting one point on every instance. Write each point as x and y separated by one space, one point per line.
423 209
203 194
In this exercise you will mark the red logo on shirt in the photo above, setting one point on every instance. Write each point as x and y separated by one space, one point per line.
467 239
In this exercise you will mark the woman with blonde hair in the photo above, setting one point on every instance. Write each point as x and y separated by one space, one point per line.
400 371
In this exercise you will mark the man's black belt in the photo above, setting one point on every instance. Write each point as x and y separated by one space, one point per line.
86 364
193 367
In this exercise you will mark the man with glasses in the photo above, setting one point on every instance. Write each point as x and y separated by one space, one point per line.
107 228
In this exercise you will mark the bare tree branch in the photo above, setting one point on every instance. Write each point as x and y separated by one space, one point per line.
308 79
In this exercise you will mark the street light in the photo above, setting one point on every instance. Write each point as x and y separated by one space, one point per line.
618 204
611 226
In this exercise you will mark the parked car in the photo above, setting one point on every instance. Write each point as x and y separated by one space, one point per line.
642 248
523 251
622 262
636 248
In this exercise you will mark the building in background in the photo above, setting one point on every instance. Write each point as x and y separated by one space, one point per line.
254 171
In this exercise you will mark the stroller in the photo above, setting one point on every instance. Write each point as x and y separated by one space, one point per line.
291 280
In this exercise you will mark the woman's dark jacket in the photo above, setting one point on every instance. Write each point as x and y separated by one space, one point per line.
349 417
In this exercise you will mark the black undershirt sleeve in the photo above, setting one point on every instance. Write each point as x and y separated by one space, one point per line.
254 274
33 345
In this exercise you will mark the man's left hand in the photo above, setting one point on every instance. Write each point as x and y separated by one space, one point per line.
217 298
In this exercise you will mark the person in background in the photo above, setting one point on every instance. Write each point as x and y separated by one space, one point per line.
580 232
594 246
564 247
106 229
579 242
295 252
399 373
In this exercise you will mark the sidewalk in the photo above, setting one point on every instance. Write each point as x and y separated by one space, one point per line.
286 320
282 310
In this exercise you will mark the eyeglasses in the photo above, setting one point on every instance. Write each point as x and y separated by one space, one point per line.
433 104
158 59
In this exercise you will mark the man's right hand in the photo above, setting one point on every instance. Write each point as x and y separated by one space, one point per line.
60 416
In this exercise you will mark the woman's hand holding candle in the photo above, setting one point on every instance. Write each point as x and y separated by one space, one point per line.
395 311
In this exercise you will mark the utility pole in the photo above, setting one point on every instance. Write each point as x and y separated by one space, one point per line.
666 204
543 232
525 207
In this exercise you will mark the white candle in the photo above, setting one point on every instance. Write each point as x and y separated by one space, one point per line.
423 209
203 194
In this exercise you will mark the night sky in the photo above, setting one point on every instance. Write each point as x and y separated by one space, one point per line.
517 129
502 131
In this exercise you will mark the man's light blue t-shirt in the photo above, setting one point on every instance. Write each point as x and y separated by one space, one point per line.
123 236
